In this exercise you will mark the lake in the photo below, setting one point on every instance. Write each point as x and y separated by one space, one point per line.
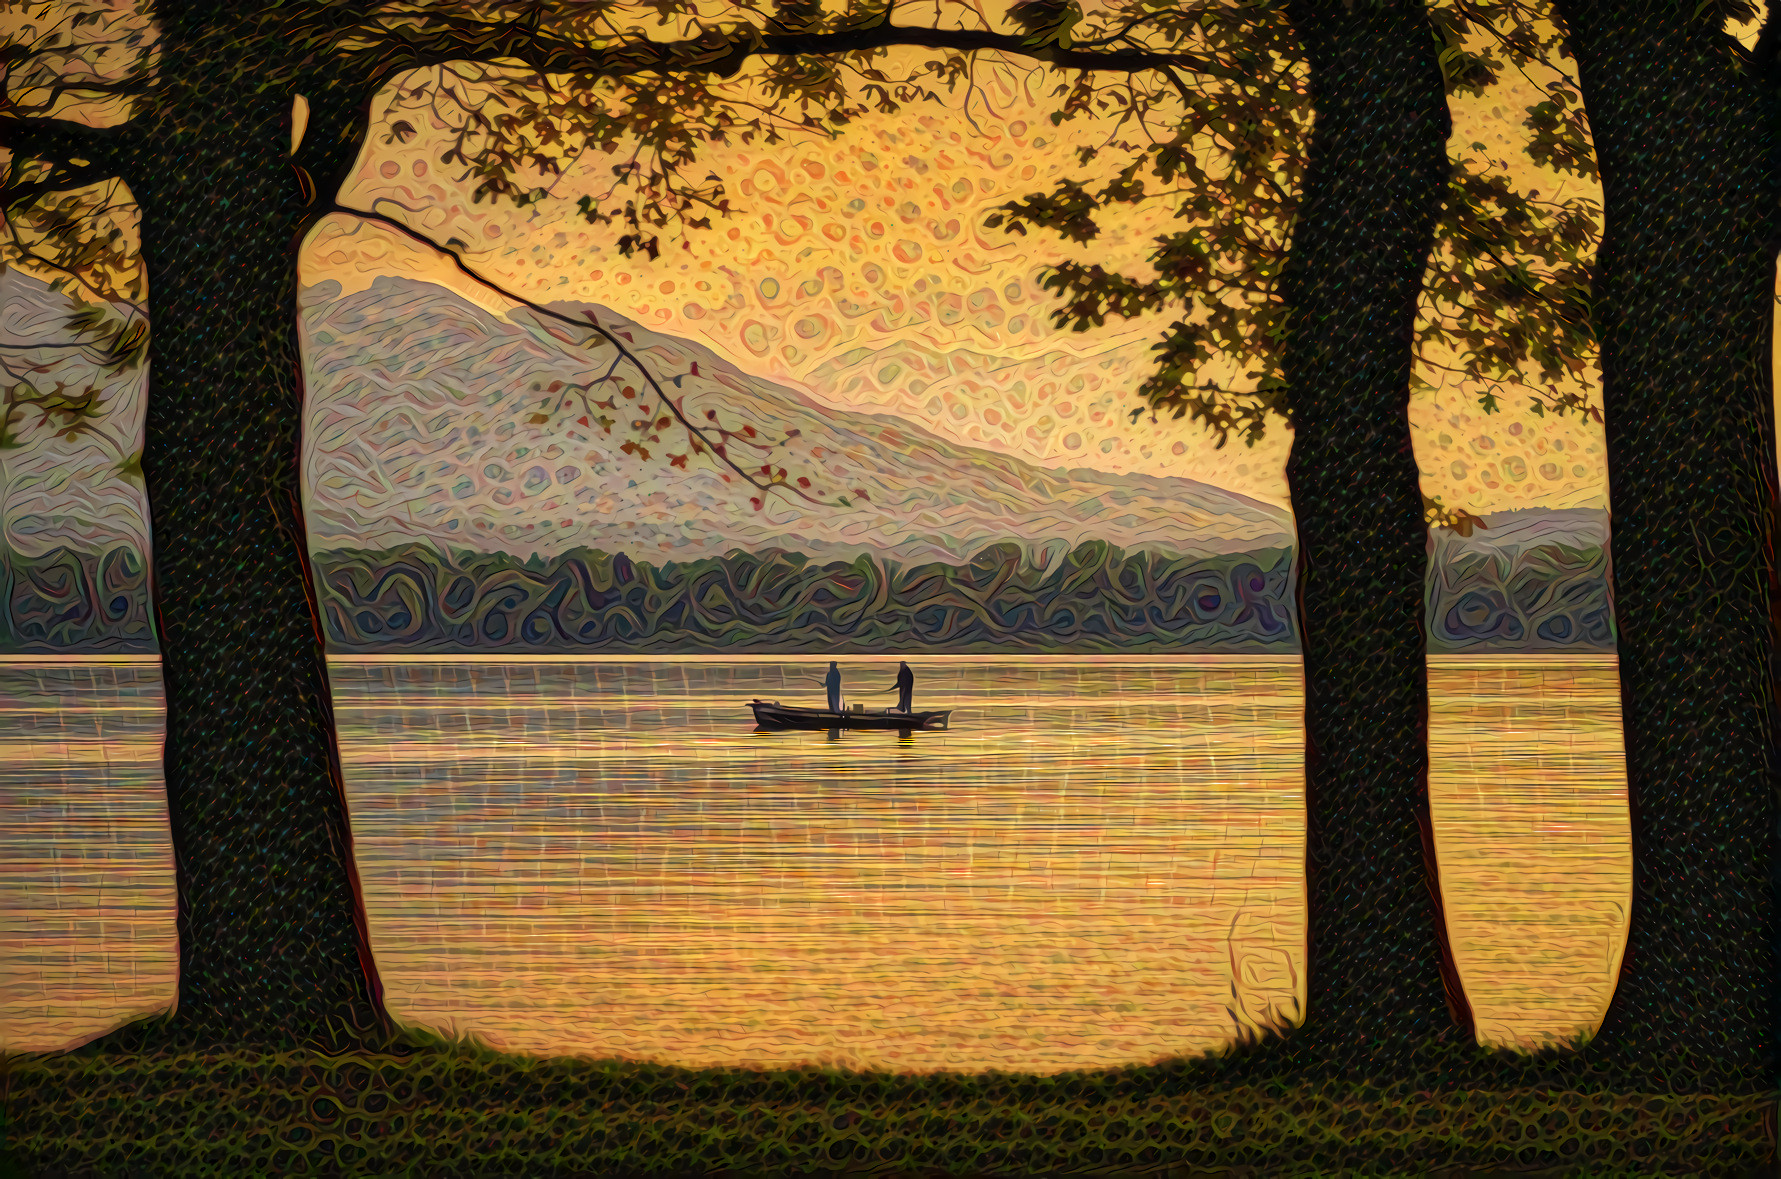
1101 863
86 861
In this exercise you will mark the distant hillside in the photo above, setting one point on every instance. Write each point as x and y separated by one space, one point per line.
420 425
1576 528
1039 410
399 458
1092 600
1529 581
73 524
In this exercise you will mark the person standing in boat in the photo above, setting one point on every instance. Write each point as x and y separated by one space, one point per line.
833 682
905 688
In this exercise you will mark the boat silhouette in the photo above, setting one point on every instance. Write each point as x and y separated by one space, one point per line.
771 714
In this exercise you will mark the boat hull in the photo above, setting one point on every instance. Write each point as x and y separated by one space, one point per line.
773 715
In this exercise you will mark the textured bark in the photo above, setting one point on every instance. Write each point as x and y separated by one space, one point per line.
1684 293
272 935
1377 173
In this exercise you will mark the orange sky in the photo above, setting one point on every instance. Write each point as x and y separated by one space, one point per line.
857 270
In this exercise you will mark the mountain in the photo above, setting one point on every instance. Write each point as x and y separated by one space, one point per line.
56 489
1053 407
1509 533
430 418
74 528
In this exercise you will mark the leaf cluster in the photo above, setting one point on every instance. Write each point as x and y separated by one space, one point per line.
1507 298
69 412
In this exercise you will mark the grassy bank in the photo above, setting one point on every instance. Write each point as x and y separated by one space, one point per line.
447 1108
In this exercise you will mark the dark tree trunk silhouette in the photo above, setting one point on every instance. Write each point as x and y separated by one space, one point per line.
1372 193
1684 305
272 934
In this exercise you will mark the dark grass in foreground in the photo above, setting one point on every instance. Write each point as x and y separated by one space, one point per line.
430 1106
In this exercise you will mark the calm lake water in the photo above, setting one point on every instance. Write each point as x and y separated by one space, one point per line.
1100 863
1527 791
86 862
615 862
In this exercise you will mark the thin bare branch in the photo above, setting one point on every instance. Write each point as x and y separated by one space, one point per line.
716 447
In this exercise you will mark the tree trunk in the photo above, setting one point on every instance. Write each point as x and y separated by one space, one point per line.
1684 292
272 934
1373 190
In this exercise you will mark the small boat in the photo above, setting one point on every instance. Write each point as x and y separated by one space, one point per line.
774 715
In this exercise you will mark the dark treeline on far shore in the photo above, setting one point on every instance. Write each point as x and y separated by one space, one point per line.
1095 599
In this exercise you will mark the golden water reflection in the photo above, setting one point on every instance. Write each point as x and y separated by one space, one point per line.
1527 792
1100 863
1097 866
86 859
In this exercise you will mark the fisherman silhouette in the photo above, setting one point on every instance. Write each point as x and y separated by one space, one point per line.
905 687
833 682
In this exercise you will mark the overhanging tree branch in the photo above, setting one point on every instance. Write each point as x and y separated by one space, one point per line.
440 39
59 180
53 346
55 90
69 225
717 447
61 141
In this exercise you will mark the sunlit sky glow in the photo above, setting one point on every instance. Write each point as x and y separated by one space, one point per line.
857 270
